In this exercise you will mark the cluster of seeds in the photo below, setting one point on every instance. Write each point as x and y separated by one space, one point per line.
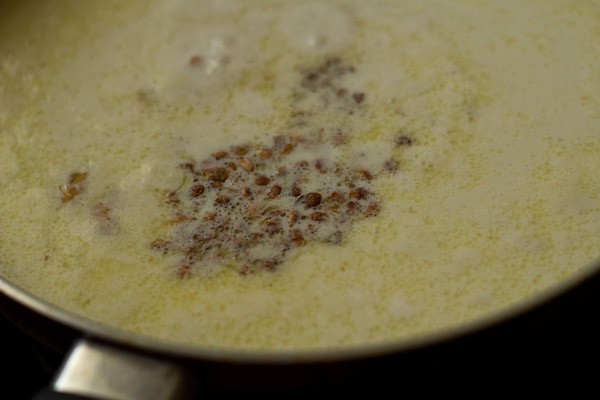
326 80
249 206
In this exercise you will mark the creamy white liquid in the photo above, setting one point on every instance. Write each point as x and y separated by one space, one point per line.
497 199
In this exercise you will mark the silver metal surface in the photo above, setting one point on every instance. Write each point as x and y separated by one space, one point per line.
106 372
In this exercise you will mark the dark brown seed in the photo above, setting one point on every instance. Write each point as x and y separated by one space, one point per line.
264 153
262 180
302 164
352 205
69 192
222 199
210 216
275 191
189 166
219 155
246 192
247 164
196 61
358 97
239 150
171 198
293 217
281 171
320 166
287 149
184 271
197 190
313 199
337 197
232 165
318 216
359 194
366 175
390 165
216 185
77 177
296 237
216 174
372 210
404 141
273 228
296 191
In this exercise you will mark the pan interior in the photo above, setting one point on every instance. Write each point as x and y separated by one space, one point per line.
462 138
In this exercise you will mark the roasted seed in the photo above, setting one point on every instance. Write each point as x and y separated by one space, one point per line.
372 209
293 217
216 174
239 150
247 164
197 190
296 237
219 155
358 97
359 194
232 165
390 165
318 216
210 216
313 199
320 166
287 149
184 271
264 153
246 192
281 171
196 61
273 228
404 141
171 198
352 205
296 191
366 175
77 177
302 164
275 191
222 199
262 180
188 165
337 197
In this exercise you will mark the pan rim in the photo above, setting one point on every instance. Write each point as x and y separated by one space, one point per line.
172 349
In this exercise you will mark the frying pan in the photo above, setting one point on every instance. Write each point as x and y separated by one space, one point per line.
105 362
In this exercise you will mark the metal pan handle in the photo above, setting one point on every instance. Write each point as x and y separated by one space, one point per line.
98 371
